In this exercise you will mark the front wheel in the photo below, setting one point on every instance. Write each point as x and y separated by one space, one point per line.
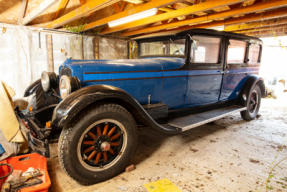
98 145
253 104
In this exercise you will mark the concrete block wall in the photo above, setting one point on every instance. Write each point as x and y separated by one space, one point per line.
24 55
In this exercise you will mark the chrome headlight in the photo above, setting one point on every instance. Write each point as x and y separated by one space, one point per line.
49 80
68 85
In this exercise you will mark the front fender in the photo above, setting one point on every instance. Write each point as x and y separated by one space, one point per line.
70 107
248 85
32 88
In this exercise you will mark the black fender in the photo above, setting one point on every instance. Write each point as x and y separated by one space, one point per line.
81 99
32 88
251 81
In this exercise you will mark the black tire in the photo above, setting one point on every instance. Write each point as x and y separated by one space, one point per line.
252 110
85 171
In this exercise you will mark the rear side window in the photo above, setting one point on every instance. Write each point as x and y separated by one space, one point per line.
254 51
208 50
236 51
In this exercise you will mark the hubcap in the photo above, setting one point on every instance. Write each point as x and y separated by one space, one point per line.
105 146
101 144
253 102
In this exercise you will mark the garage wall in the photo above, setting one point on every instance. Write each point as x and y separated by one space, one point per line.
23 57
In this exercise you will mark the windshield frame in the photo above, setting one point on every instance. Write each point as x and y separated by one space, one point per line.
165 38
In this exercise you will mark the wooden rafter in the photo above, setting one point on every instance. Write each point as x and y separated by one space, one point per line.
22 11
135 1
257 24
238 11
82 11
247 18
276 32
46 4
268 28
61 8
173 14
137 9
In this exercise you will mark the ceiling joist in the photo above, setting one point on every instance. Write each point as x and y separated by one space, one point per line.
80 12
38 10
61 8
137 9
172 14
230 13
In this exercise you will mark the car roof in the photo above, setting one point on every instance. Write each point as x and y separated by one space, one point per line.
201 31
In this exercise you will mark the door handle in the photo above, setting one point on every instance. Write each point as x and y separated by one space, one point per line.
221 72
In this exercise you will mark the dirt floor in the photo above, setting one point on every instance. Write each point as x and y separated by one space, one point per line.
231 155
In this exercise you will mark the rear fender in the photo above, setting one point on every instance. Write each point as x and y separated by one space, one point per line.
248 86
89 96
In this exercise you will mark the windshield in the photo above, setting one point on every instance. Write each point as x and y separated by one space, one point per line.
163 48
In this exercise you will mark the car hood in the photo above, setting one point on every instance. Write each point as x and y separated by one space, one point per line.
81 67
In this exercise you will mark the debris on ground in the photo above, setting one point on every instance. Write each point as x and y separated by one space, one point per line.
254 161
122 188
130 168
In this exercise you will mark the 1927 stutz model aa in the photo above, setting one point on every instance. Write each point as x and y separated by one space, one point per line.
179 82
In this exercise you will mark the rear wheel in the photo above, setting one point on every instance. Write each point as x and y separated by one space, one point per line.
253 104
99 145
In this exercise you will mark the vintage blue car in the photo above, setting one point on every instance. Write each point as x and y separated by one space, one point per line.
179 82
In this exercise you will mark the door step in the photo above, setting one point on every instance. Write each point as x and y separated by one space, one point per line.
192 121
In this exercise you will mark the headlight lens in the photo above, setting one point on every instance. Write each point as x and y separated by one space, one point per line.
45 81
65 86
68 85
49 80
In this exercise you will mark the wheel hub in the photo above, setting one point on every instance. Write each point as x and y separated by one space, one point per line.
102 143
105 146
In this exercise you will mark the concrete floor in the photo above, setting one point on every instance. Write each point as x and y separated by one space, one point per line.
231 155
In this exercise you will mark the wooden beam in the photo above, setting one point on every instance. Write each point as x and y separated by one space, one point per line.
173 14
137 9
22 11
166 9
273 32
82 11
257 24
49 42
117 7
123 5
268 28
61 8
238 11
46 4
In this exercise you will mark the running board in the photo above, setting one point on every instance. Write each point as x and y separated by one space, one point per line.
192 121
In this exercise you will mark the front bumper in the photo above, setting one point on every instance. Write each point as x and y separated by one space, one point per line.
33 134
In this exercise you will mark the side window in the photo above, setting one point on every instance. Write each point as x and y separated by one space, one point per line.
208 50
236 51
254 51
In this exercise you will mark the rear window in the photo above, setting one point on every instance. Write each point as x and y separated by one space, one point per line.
208 50
254 50
236 51
168 47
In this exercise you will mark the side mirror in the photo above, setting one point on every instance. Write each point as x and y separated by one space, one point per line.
195 44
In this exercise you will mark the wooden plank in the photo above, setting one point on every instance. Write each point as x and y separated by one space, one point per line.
241 10
117 7
247 18
173 14
97 44
49 41
272 32
46 4
61 8
137 9
256 24
270 27
82 11
22 11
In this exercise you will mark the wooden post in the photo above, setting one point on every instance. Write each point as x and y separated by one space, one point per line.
49 42
97 44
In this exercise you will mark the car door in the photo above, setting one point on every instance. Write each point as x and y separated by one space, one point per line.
205 71
242 60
